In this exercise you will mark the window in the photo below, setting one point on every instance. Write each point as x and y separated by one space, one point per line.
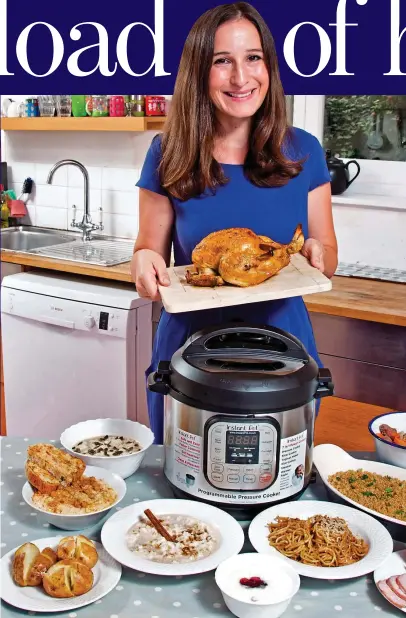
370 129
366 127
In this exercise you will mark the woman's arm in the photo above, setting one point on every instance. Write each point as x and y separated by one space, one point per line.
321 246
156 218
152 250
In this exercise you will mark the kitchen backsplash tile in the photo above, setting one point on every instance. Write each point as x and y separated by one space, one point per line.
46 216
76 197
123 226
120 202
116 179
20 171
112 188
49 195
75 177
59 179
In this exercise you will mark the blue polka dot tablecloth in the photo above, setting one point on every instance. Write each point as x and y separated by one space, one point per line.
140 595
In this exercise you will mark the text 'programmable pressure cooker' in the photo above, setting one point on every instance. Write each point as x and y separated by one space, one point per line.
239 416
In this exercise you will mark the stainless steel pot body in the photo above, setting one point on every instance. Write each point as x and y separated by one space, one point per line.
238 460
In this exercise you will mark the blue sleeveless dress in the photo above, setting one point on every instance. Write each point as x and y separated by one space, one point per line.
273 212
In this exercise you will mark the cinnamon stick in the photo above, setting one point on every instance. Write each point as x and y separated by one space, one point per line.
158 526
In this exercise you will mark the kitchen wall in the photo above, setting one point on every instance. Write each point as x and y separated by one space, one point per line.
113 161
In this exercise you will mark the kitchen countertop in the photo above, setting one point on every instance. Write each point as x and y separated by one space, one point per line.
351 297
153 596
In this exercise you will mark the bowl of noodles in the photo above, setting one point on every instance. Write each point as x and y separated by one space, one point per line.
320 539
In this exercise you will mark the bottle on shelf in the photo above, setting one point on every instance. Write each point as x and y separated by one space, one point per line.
5 210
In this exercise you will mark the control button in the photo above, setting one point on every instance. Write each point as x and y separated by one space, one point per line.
249 478
266 468
217 440
249 469
233 469
89 321
103 320
233 478
217 468
218 430
217 477
265 478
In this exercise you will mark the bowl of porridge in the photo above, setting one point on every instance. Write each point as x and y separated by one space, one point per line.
118 445
172 537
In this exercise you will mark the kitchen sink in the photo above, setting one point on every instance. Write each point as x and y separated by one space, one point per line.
100 250
26 238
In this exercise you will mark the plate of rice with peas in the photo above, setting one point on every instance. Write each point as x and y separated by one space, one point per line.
374 487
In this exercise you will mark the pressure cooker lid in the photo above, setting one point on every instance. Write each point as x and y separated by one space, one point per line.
242 368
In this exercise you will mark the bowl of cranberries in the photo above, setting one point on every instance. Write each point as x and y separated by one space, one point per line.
257 585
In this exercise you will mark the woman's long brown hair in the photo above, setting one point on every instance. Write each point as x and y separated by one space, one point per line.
187 167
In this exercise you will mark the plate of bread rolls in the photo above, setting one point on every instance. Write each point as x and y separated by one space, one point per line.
57 574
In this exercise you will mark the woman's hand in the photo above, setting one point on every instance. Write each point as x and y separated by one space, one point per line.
314 251
148 268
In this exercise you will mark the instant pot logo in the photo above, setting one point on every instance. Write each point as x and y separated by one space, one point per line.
246 427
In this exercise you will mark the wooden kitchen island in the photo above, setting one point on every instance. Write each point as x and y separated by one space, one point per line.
359 328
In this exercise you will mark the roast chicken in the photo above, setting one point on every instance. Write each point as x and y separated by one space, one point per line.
240 257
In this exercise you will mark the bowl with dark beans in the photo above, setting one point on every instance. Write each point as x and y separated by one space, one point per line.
119 445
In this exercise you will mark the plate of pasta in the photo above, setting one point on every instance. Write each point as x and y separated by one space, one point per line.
323 540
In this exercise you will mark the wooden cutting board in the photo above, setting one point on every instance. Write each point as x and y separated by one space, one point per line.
296 279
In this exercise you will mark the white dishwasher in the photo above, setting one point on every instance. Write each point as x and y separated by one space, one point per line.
72 350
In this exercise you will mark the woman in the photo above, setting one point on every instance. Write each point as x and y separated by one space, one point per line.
227 158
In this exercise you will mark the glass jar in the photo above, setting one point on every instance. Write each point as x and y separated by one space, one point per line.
99 105
138 105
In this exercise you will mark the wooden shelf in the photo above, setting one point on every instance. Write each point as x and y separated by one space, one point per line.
83 124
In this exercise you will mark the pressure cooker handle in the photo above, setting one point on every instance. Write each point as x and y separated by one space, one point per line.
267 342
159 381
326 386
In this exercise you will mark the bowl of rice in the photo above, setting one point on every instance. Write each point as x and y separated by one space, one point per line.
389 434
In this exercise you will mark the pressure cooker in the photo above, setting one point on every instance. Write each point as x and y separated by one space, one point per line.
239 416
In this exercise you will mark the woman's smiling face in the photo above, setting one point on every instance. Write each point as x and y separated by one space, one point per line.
239 79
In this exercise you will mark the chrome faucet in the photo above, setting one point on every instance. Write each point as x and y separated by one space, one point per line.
86 225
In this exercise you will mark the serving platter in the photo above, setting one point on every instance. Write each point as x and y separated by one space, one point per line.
106 572
296 279
228 530
331 459
374 533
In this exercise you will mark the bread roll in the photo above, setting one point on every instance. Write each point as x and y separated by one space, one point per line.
48 468
78 548
67 578
29 564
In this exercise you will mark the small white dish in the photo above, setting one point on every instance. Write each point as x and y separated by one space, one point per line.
77 522
388 452
229 531
283 582
375 534
123 465
106 572
394 565
330 459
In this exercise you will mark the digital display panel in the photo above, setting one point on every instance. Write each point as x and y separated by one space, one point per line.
242 447
242 438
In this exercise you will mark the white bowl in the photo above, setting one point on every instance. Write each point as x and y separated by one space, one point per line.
270 602
387 452
124 465
79 521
